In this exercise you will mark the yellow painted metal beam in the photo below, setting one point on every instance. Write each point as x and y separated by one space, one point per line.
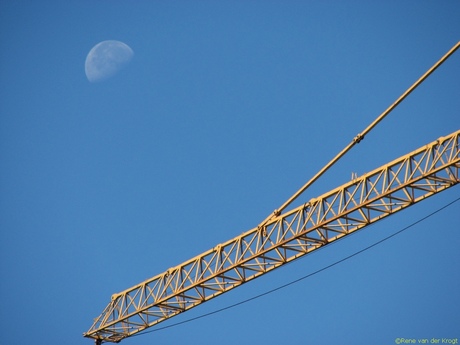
361 135
283 238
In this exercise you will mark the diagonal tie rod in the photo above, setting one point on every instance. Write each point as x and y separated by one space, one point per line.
360 136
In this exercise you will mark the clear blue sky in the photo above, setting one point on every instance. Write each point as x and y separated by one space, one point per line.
226 109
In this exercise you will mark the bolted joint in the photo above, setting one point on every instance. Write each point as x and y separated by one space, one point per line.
358 138
263 230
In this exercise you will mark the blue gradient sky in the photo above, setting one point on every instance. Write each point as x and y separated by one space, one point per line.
226 109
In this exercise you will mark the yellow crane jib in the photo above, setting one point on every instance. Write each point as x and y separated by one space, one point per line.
286 237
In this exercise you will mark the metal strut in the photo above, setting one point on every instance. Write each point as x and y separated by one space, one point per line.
360 136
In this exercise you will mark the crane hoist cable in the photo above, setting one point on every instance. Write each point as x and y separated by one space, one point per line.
309 275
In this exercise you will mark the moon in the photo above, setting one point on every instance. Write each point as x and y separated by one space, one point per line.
105 59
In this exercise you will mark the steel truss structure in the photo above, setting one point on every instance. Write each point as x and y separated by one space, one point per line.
285 237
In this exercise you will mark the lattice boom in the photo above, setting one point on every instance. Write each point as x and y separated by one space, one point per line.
288 236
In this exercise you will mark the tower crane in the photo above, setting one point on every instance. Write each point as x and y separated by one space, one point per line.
286 235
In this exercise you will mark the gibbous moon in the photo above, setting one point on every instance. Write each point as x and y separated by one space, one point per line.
105 59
